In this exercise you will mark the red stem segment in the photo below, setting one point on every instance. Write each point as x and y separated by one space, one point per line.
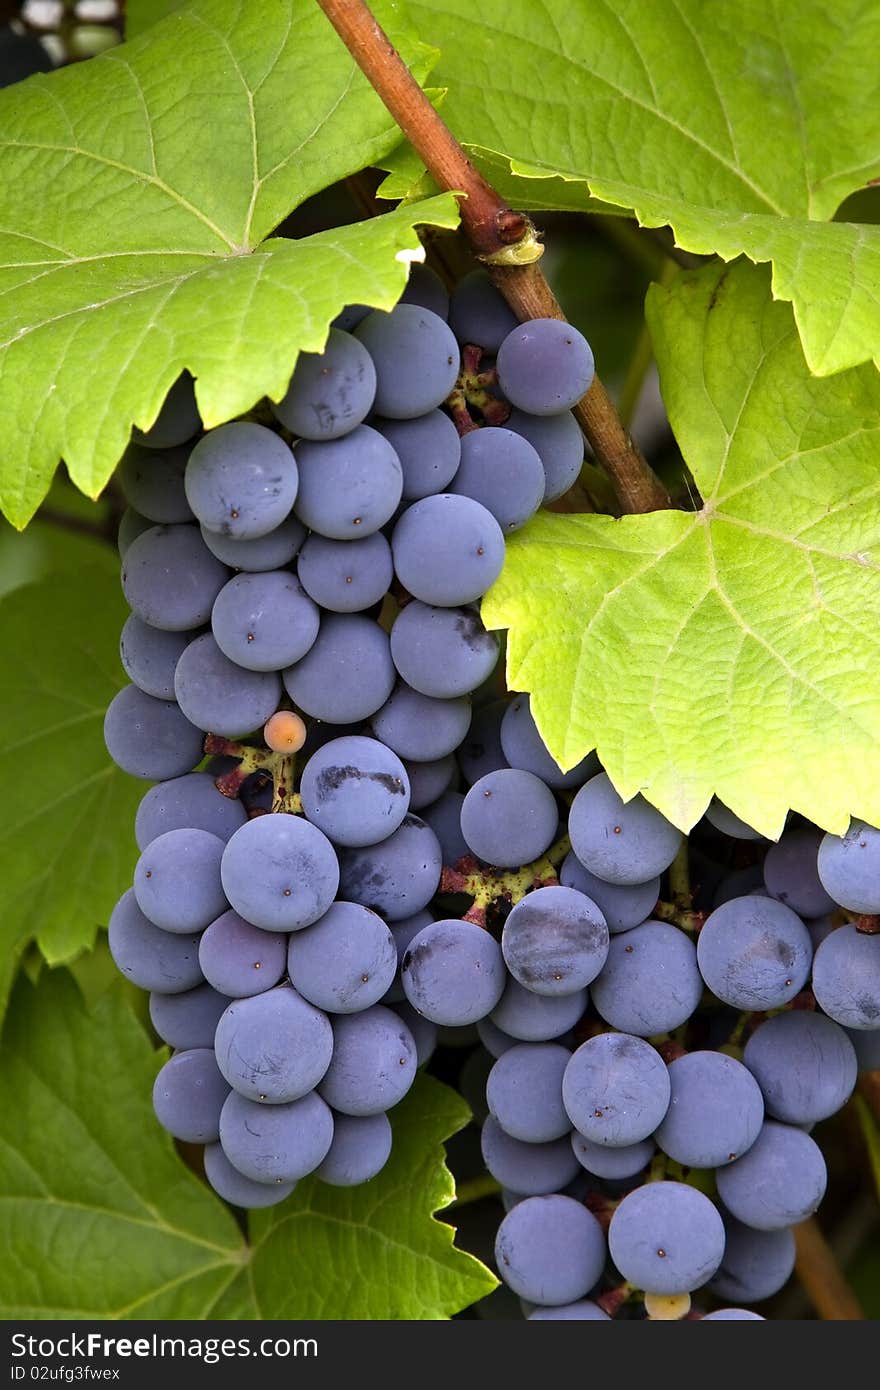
489 222
505 239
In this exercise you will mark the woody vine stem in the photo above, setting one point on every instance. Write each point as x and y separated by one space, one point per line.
503 239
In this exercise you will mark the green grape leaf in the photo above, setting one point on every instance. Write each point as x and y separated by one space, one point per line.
143 14
105 1220
732 650
743 125
373 1252
133 248
67 847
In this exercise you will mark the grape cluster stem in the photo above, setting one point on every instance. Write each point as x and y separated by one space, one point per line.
502 238
488 887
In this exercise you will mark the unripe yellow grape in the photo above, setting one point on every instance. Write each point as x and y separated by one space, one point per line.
285 732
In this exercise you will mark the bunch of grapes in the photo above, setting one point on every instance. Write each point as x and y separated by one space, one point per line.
376 844
317 600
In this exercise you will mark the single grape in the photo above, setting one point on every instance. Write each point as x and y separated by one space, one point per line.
479 313
453 972
279 872
131 525
429 449
481 752
150 656
425 288
150 738
849 867
555 941
331 391
448 550
425 1034
616 1089
349 487
188 1095
416 359
276 1144
533 1170
177 880
603 1162
428 781
360 1149
347 675
582 1311
374 1062
530 1017
666 1238
550 1250
523 747
152 483
650 982
509 818
502 470
559 444
444 818
356 790
846 977
398 876
623 905
178 418
442 652
346 576
190 1019
755 1264
715 1111
220 696
151 958
723 819
170 578
235 1188
419 727
780 1181
239 959
804 1064
183 803
264 622
621 842
524 1092
284 732
241 480
754 953
791 874
345 961
545 366
273 1047
270 552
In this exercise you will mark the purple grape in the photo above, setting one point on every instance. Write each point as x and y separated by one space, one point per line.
330 392
429 449
241 480
150 738
545 366
188 1096
502 470
239 959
